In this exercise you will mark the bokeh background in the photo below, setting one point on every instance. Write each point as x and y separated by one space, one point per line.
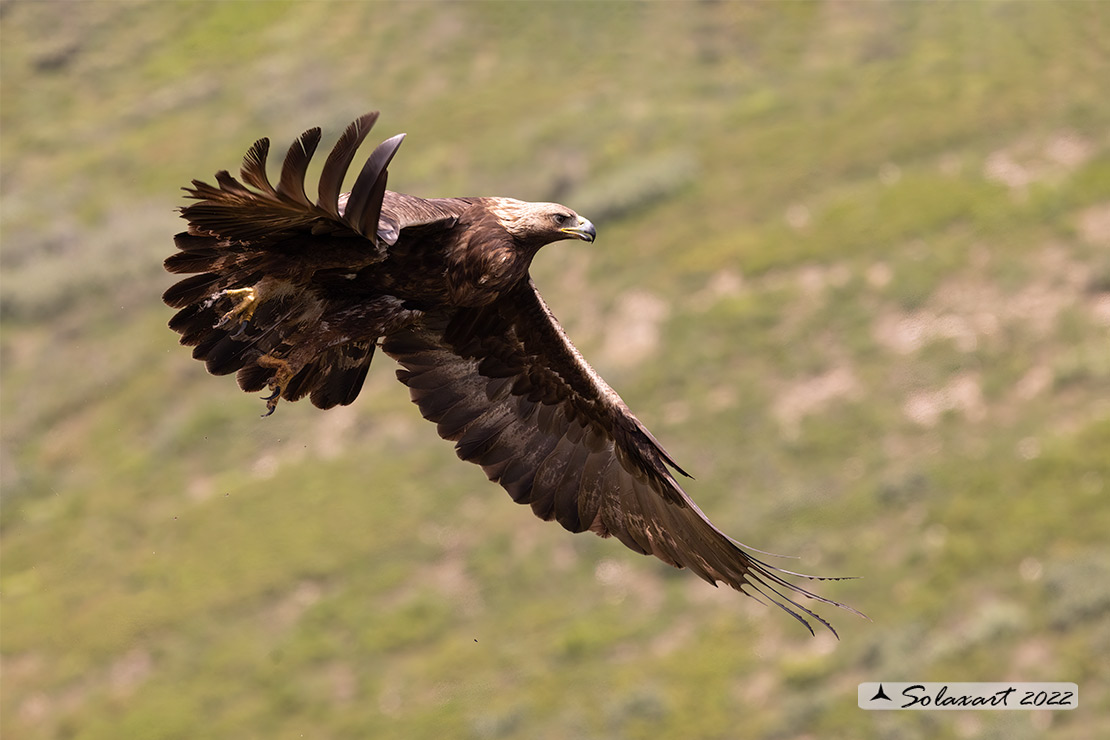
853 271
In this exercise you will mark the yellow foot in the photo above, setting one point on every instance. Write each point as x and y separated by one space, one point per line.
281 378
243 311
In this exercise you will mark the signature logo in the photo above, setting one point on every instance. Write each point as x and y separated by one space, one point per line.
967 695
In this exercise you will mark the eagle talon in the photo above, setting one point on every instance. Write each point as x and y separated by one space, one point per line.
280 379
243 311
240 334
272 401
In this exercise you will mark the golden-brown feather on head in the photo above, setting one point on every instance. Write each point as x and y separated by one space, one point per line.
540 223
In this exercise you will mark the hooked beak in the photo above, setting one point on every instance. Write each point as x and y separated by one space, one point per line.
584 230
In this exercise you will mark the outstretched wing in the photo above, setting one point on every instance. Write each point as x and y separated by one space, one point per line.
254 251
507 386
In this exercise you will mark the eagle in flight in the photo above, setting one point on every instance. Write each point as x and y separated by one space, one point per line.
295 297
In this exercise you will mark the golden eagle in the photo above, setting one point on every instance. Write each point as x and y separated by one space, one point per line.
295 296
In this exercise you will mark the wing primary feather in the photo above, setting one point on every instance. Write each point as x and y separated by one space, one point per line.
364 207
253 170
293 171
204 191
761 588
335 168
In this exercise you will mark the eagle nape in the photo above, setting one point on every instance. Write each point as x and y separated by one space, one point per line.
441 286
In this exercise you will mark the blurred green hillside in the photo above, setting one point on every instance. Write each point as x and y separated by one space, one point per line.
853 270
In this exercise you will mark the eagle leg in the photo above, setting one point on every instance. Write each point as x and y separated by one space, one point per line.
284 372
243 311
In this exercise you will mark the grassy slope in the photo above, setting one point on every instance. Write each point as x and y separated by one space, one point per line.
867 246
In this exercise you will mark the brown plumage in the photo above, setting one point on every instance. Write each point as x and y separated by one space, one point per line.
295 296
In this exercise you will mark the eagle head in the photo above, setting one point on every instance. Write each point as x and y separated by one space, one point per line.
537 224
